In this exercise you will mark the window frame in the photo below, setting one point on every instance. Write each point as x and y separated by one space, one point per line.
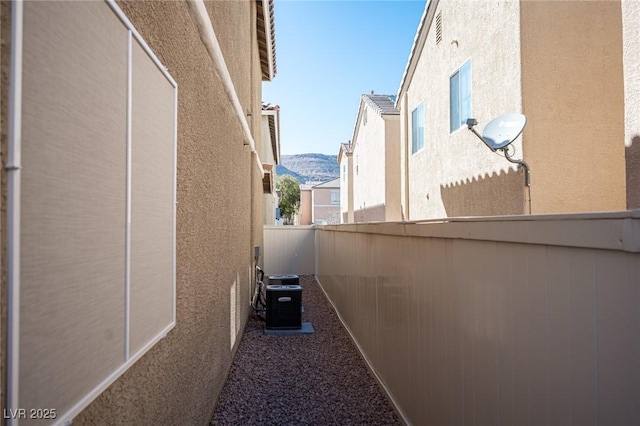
335 197
463 101
417 147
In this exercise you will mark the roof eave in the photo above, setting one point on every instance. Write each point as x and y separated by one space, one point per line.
416 49
267 35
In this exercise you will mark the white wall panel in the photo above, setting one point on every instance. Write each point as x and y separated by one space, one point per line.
289 250
80 305
542 329
152 148
73 201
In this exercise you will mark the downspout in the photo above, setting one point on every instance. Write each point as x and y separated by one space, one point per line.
13 208
200 16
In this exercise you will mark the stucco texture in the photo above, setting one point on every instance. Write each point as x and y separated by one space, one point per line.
5 39
631 35
376 179
458 159
180 378
573 97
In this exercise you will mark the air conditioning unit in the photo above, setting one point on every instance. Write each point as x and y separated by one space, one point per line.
284 280
284 307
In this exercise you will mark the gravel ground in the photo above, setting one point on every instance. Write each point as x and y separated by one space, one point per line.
314 379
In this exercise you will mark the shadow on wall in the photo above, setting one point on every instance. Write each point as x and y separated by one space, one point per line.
370 214
632 157
489 195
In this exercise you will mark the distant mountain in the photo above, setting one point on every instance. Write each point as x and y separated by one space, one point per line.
309 168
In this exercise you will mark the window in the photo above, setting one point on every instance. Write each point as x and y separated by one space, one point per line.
417 129
460 97
344 173
439 27
335 196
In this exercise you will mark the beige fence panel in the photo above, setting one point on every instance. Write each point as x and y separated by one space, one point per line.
289 250
495 321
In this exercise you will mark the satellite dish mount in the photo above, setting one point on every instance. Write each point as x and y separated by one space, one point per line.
499 133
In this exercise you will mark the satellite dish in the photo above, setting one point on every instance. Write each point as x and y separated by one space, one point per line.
503 130
499 134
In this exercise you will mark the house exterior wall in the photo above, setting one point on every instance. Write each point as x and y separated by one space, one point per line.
456 174
306 208
393 211
269 199
631 57
573 97
323 209
346 184
369 146
179 379
570 138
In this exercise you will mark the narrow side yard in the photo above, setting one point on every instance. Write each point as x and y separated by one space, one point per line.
317 379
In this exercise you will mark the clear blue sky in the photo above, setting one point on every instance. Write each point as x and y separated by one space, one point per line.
328 53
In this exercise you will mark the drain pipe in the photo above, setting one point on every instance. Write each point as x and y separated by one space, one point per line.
13 208
200 16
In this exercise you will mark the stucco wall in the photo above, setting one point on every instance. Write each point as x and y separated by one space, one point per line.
344 182
460 158
322 207
631 37
573 96
369 148
179 379
393 210
305 212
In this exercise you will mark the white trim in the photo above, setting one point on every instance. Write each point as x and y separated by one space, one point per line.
13 218
200 16
13 208
67 417
127 232
175 196
127 23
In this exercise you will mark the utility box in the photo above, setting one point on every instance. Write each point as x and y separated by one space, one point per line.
284 280
284 307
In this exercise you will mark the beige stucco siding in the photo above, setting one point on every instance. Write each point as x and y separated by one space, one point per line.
369 154
393 210
178 380
442 177
573 96
346 187
323 209
631 39
306 209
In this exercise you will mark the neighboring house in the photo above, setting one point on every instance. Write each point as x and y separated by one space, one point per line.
325 202
374 182
134 197
631 52
305 213
270 158
559 63
345 161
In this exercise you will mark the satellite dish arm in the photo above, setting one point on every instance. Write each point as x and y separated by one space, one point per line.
527 171
472 122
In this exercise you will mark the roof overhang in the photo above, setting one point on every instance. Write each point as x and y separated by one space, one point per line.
273 119
266 38
267 179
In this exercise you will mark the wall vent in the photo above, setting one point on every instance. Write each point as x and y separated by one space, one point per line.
439 27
